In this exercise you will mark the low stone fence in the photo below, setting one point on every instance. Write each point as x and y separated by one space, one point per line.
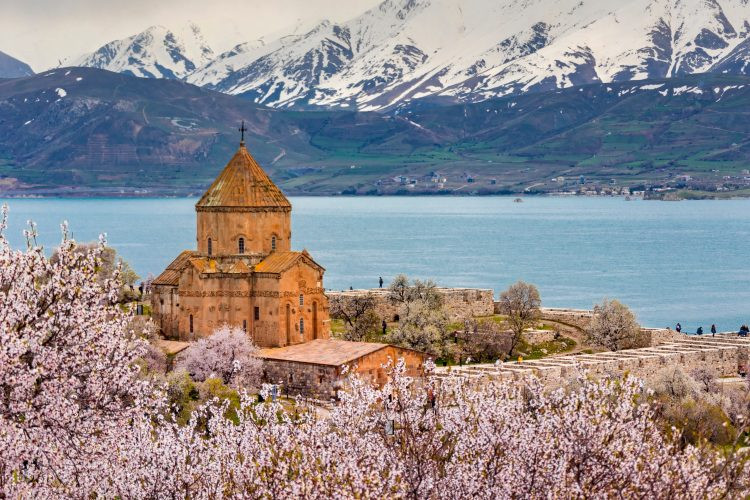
580 318
459 303
657 336
723 356
539 336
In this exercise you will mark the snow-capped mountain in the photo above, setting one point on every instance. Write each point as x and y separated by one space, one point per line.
470 50
157 52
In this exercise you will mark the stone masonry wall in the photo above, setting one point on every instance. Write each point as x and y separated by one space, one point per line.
323 381
580 318
539 336
320 381
723 355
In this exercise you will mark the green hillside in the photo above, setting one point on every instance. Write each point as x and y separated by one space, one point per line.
79 131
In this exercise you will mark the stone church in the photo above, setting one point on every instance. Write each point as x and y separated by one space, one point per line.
244 272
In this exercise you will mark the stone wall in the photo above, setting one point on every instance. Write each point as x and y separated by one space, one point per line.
324 381
657 336
580 318
723 355
539 336
320 381
459 302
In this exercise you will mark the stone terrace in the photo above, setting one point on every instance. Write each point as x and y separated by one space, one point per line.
724 355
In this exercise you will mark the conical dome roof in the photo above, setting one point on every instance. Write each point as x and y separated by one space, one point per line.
243 183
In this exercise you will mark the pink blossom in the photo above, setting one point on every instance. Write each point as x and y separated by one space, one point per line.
75 421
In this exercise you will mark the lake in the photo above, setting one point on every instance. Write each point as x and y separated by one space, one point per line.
670 261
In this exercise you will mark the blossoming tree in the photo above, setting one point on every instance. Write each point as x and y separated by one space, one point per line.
66 362
76 422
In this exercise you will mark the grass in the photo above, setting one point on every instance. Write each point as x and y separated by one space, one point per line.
544 349
459 325
337 327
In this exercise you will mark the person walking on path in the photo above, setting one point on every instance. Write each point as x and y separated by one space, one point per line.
381 282
713 330
678 328
385 326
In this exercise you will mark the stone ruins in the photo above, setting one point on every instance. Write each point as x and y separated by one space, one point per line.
725 355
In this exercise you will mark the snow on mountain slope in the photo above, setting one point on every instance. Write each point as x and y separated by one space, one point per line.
471 38
454 50
294 68
736 62
642 39
469 50
155 53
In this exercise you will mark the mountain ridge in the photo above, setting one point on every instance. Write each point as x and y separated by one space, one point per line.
156 52
86 132
470 50
10 67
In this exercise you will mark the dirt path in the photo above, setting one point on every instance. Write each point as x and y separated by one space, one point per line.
568 330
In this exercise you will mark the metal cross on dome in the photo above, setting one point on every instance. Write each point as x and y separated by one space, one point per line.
242 131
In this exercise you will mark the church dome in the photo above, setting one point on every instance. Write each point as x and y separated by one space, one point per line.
243 184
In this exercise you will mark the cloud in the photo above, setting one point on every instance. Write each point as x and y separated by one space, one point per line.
42 32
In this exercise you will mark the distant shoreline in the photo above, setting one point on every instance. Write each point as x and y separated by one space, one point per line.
652 196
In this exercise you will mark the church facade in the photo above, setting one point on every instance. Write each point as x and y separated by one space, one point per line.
244 272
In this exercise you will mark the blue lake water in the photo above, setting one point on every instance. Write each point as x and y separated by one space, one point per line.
670 261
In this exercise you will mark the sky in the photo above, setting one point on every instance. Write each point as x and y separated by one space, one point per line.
43 32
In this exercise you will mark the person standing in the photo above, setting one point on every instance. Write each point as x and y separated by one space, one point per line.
381 282
385 326
678 328
713 330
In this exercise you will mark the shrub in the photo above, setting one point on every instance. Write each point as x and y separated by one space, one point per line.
613 326
520 303
228 354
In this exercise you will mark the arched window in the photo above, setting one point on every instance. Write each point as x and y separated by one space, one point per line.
210 247
241 245
273 243
302 327
301 300
191 323
244 325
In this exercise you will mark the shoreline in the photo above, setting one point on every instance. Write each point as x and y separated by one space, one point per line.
682 196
